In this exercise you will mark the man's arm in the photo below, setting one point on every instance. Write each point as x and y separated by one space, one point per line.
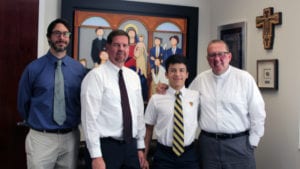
141 130
257 113
24 94
148 138
98 163
142 159
91 103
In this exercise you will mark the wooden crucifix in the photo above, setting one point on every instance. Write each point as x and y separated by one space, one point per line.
267 22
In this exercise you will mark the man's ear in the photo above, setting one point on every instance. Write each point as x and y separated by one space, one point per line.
230 56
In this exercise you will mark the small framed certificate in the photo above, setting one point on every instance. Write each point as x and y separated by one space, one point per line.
267 74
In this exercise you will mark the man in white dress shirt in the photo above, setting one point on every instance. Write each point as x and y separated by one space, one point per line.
160 114
232 112
102 118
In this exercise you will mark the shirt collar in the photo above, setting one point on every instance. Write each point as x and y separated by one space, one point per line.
173 91
223 75
115 68
53 59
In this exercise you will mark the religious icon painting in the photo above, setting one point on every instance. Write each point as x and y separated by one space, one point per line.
152 37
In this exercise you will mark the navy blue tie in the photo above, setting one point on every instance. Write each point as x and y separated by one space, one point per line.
127 123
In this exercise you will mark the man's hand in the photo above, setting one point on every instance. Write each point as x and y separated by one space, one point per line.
146 166
98 163
161 88
142 159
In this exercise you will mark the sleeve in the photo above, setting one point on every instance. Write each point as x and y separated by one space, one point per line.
24 95
141 130
91 99
257 113
150 114
195 84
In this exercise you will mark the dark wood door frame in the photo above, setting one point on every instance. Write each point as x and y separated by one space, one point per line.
18 46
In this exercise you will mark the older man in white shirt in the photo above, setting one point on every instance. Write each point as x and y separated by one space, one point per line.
232 113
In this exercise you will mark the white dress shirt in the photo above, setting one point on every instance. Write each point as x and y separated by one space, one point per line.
230 103
160 112
101 111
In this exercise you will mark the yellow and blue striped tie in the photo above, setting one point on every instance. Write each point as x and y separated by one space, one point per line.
178 129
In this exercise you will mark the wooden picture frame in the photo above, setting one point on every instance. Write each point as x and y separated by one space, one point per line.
235 37
116 12
85 24
267 74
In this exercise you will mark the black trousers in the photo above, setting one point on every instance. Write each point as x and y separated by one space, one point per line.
117 154
229 153
120 155
164 158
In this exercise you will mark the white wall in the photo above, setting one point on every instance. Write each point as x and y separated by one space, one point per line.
48 11
278 148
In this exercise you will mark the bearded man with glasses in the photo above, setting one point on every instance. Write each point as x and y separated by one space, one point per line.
49 103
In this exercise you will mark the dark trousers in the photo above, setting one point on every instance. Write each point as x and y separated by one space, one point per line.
164 158
120 155
229 153
116 154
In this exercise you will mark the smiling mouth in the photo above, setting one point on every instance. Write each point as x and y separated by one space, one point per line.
61 42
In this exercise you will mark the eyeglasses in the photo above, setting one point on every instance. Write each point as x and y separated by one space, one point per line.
58 34
119 45
220 54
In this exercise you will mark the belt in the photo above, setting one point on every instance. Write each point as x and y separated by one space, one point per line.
224 135
111 139
56 131
167 148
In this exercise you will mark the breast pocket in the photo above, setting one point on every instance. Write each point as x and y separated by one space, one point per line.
190 108
234 101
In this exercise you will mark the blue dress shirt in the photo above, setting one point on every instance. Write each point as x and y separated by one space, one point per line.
36 92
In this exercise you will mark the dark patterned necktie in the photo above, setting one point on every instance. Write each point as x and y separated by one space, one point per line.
127 123
178 130
59 106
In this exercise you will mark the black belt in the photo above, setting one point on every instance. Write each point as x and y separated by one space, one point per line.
111 139
224 135
56 131
167 148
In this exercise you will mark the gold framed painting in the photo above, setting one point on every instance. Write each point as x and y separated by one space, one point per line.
150 21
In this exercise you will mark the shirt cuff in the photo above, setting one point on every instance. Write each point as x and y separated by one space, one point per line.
140 144
254 140
95 152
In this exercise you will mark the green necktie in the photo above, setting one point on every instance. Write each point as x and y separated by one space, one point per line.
59 106
178 129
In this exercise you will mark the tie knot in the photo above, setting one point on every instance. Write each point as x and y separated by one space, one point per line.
58 63
178 93
120 72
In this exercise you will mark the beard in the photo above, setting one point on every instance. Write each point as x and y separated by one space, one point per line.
57 47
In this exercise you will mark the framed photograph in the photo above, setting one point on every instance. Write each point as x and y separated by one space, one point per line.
267 74
235 36
145 23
